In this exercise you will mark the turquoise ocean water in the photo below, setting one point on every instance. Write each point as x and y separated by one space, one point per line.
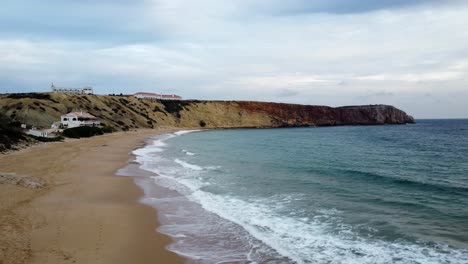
357 194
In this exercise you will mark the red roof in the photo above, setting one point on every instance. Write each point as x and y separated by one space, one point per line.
159 95
143 93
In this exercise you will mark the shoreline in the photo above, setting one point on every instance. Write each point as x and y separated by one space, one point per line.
85 213
176 207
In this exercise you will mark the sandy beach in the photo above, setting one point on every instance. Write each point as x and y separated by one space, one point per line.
84 214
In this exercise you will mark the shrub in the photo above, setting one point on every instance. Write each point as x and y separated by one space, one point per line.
45 139
157 109
10 134
107 129
174 106
40 96
14 123
84 131
124 101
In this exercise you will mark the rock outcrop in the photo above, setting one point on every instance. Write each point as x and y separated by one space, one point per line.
125 113
23 181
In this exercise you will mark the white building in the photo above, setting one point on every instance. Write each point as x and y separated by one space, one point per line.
76 119
37 133
47 133
84 90
142 95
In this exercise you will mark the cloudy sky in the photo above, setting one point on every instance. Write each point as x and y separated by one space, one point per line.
409 53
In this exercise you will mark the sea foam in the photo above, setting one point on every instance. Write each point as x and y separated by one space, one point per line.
188 165
188 152
183 132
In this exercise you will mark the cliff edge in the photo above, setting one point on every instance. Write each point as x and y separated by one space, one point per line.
124 113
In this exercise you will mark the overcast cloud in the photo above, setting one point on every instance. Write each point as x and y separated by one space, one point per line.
409 53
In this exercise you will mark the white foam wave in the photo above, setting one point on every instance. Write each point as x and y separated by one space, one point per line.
310 240
183 186
188 152
307 241
182 132
214 168
188 165
195 167
155 147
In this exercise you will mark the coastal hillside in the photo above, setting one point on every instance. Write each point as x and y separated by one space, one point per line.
124 113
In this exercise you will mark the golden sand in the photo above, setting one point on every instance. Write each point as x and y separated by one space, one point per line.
85 214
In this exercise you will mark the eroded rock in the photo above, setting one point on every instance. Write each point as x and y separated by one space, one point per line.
23 181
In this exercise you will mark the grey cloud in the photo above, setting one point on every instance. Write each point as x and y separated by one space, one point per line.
375 96
94 21
384 94
295 7
287 93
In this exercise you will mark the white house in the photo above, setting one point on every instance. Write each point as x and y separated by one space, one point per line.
142 95
76 119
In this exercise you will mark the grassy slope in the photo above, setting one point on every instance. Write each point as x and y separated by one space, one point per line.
123 113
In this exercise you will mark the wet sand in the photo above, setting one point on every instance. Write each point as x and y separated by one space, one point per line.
84 214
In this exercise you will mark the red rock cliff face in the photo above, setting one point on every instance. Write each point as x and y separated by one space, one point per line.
372 115
308 115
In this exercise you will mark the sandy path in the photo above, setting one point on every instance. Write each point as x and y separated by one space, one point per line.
85 214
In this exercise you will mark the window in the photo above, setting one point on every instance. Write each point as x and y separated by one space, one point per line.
65 119
74 119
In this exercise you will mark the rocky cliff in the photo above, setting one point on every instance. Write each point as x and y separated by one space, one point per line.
123 113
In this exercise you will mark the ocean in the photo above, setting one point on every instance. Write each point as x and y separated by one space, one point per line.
351 194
